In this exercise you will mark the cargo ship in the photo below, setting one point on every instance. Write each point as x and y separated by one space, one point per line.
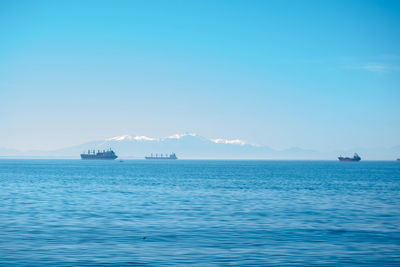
166 156
102 155
356 157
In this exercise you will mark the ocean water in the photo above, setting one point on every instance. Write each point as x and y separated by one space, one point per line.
205 213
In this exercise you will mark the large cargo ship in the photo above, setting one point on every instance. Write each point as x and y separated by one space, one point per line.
103 155
170 156
356 157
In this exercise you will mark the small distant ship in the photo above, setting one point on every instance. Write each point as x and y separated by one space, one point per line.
166 156
356 157
398 159
102 155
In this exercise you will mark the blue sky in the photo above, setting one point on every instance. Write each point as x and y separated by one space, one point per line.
314 74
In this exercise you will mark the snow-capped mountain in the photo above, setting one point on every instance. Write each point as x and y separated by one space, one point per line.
193 146
186 145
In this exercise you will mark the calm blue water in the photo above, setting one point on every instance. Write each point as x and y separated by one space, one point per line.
72 212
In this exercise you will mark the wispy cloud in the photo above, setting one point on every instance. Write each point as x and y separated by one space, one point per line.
390 57
375 67
379 64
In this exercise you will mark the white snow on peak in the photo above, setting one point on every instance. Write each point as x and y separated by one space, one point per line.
119 138
179 136
227 141
129 137
144 138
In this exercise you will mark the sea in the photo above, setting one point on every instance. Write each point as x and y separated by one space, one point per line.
199 213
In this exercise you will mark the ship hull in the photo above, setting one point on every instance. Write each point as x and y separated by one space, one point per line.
94 157
348 159
160 158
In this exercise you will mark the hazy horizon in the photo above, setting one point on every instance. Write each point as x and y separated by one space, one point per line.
194 146
316 75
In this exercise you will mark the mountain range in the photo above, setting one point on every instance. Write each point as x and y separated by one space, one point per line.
193 146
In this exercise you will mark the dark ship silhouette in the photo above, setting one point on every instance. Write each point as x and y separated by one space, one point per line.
104 155
356 157
170 156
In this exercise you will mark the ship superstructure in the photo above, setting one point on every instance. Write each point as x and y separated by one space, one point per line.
99 155
161 156
356 157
